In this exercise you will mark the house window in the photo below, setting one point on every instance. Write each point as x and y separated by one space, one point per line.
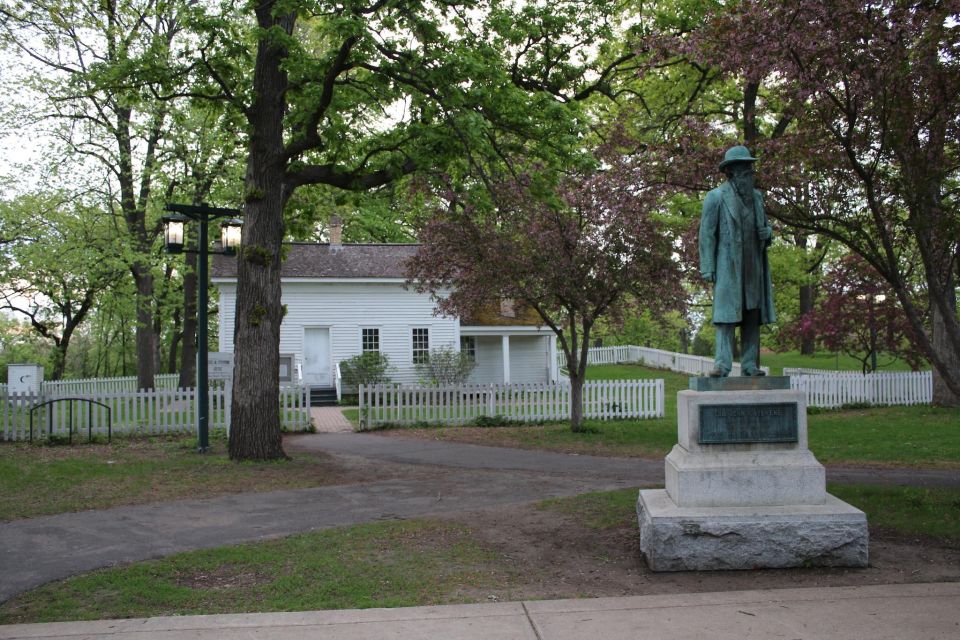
468 347
369 340
507 308
421 345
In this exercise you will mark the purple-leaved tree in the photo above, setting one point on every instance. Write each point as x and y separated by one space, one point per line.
569 248
873 88
857 314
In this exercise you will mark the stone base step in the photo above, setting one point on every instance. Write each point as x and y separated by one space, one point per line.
675 538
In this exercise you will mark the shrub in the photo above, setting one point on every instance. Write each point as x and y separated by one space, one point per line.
446 366
492 421
371 367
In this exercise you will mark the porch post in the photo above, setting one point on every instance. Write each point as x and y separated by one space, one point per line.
552 351
505 341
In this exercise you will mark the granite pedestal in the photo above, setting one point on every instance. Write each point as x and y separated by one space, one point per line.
743 490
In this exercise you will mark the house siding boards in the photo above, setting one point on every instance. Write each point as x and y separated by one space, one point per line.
350 287
528 359
345 308
489 361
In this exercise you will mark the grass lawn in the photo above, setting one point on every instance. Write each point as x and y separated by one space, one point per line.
824 360
416 562
388 564
904 436
41 480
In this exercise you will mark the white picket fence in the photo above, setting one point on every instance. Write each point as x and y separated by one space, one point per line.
520 402
831 389
156 411
656 358
83 386
105 385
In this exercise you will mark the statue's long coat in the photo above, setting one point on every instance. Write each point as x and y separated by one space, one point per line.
721 253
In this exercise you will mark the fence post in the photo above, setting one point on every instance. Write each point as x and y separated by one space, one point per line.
360 401
661 394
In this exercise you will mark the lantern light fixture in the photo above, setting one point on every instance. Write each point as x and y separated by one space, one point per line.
173 225
230 234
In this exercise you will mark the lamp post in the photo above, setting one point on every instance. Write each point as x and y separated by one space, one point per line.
173 235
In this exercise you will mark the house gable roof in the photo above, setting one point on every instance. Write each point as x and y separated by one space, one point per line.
311 260
362 261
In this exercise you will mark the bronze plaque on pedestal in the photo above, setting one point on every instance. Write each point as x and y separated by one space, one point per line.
748 423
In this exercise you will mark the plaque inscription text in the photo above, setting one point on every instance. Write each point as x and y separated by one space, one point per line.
748 423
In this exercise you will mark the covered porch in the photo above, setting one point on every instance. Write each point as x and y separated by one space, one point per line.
511 354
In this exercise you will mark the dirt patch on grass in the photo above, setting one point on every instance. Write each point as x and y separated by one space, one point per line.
222 578
547 554
525 437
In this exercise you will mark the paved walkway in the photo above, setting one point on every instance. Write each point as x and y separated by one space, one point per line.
644 471
884 612
329 420
35 551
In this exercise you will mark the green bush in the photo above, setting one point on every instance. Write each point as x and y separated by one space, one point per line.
371 367
492 421
446 366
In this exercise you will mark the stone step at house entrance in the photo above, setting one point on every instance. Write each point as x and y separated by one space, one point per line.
323 397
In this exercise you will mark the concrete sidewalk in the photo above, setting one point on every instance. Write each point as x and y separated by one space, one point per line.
895 612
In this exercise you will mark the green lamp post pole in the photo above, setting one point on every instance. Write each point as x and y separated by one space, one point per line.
230 240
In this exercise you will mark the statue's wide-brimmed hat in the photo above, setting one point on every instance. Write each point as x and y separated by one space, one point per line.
738 153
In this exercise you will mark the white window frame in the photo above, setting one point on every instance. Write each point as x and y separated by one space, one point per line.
472 351
413 344
379 331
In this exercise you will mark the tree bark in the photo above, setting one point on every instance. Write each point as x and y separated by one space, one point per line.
576 403
942 394
188 356
807 342
255 427
59 359
146 338
177 337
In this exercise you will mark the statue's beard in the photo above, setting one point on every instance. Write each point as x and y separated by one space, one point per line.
744 186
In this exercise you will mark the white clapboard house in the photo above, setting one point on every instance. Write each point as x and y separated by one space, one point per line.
344 299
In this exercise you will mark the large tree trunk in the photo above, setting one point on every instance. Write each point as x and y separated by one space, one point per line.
59 359
255 425
188 357
146 338
942 394
176 337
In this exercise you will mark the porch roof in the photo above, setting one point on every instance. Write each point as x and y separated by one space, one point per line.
505 330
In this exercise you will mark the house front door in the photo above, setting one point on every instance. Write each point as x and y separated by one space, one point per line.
316 357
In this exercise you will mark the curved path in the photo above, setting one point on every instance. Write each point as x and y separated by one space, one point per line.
644 471
457 477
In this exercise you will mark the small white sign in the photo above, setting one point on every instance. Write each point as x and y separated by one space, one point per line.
220 366
24 378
